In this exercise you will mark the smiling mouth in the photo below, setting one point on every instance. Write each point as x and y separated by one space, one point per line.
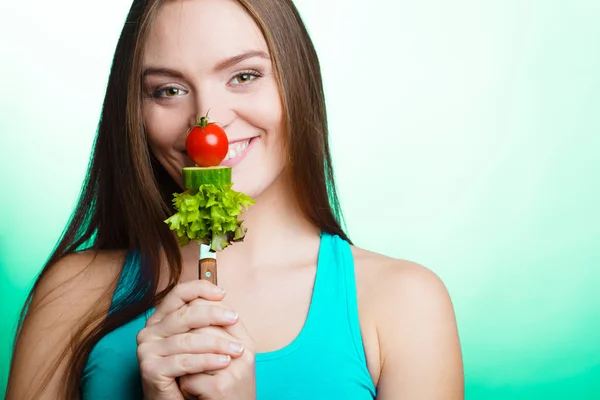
236 149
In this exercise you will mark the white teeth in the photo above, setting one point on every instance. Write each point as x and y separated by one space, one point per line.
236 149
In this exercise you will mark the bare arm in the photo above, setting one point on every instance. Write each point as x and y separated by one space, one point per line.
419 344
66 295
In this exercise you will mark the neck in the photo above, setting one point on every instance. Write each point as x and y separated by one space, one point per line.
276 228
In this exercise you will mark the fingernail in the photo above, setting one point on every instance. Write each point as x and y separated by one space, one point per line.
231 315
224 359
218 290
236 347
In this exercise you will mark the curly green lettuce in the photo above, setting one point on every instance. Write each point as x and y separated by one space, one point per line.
209 215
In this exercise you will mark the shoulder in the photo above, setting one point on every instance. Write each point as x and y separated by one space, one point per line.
85 272
391 283
70 292
96 264
74 285
413 315
403 282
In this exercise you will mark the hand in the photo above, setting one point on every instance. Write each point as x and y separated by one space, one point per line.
237 381
171 346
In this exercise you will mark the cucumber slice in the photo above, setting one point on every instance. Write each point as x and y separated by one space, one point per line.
193 177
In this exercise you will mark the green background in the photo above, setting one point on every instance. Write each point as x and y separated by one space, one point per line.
465 134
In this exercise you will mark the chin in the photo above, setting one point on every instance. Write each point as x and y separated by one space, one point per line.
252 189
256 184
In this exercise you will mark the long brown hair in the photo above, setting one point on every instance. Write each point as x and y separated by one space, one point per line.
123 172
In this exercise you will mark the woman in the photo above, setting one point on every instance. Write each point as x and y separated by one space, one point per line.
118 311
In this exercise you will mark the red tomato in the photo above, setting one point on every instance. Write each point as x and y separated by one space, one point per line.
207 143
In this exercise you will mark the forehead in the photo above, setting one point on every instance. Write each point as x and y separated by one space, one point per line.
201 32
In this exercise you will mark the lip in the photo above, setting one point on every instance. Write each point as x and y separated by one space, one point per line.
241 140
234 161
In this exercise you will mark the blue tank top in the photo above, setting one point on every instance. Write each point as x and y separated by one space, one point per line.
325 361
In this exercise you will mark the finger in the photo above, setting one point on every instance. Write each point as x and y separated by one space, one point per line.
194 343
184 293
187 318
238 331
247 355
183 364
205 385
218 331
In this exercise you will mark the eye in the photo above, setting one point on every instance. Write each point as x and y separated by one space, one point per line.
167 92
245 77
170 92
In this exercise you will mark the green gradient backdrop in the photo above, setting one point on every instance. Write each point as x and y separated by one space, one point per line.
465 134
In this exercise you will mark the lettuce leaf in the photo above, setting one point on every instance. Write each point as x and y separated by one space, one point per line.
209 215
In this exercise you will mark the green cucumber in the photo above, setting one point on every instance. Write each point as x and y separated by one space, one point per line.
193 177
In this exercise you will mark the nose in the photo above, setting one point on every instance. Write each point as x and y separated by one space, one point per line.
212 105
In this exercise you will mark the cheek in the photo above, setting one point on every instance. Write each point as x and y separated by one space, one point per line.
163 129
266 113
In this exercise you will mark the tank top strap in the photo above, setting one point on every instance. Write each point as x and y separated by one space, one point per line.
334 304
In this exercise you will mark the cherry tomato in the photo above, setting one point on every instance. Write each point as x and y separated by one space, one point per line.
206 143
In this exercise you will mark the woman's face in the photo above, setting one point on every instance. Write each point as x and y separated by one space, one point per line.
209 54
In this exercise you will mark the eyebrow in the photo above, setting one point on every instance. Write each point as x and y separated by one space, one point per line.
222 65
231 61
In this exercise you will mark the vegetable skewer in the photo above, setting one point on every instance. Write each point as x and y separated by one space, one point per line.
207 211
